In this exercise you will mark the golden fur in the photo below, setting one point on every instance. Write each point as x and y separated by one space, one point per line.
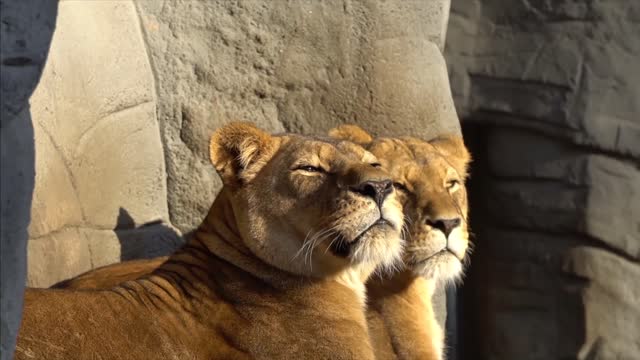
400 315
275 270
108 276
430 177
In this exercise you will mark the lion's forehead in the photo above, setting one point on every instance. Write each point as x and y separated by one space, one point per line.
329 151
390 149
432 175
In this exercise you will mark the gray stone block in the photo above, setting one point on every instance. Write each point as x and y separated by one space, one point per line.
566 69
571 298
25 34
526 296
611 302
17 178
555 86
549 185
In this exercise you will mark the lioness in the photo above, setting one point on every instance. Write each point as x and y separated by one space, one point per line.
430 176
275 270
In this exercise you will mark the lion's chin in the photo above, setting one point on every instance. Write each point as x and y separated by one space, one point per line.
443 265
381 246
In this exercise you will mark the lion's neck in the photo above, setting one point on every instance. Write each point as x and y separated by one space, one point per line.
219 239
219 231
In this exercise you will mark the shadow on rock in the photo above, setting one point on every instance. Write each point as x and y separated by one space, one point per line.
146 241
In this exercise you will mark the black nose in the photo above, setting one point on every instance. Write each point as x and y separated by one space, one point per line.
377 190
445 225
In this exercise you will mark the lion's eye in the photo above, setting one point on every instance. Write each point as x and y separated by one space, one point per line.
309 168
376 165
453 185
401 187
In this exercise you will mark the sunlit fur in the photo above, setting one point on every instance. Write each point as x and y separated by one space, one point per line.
400 316
430 179
307 211
259 278
431 176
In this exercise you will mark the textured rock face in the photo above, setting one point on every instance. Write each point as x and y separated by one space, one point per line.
25 35
99 163
549 91
303 66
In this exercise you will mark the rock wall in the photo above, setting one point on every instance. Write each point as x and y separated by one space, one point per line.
25 34
100 172
303 66
550 98
131 91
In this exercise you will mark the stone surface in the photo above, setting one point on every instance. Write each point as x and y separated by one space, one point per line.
72 250
305 66
560 188
549 96
611 303
529 308
567 69
99 157
16 187
25 34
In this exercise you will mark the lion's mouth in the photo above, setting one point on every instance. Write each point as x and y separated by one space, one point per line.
342 247
446 252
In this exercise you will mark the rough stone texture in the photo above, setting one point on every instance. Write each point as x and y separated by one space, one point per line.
25 35
65 253
561 188
549 94
99 158
303 66
564 68
611 302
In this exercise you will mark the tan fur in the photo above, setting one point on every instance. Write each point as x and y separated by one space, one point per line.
108 276
275 270
400 314
351 133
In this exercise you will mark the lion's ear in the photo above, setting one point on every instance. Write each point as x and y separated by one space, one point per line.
352 133
453 149
239 150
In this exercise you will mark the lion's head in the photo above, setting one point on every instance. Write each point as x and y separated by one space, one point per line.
309 205
429 177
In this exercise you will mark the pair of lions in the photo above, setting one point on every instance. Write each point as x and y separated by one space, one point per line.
278 267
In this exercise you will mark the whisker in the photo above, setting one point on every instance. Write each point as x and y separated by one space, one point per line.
304 242
335 238
314 241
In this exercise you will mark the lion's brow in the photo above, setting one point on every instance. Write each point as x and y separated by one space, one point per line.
319 138
325 139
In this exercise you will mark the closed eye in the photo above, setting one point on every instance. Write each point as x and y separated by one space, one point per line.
310 168
376 165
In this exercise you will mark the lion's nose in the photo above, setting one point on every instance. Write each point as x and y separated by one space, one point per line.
445 225
377 190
